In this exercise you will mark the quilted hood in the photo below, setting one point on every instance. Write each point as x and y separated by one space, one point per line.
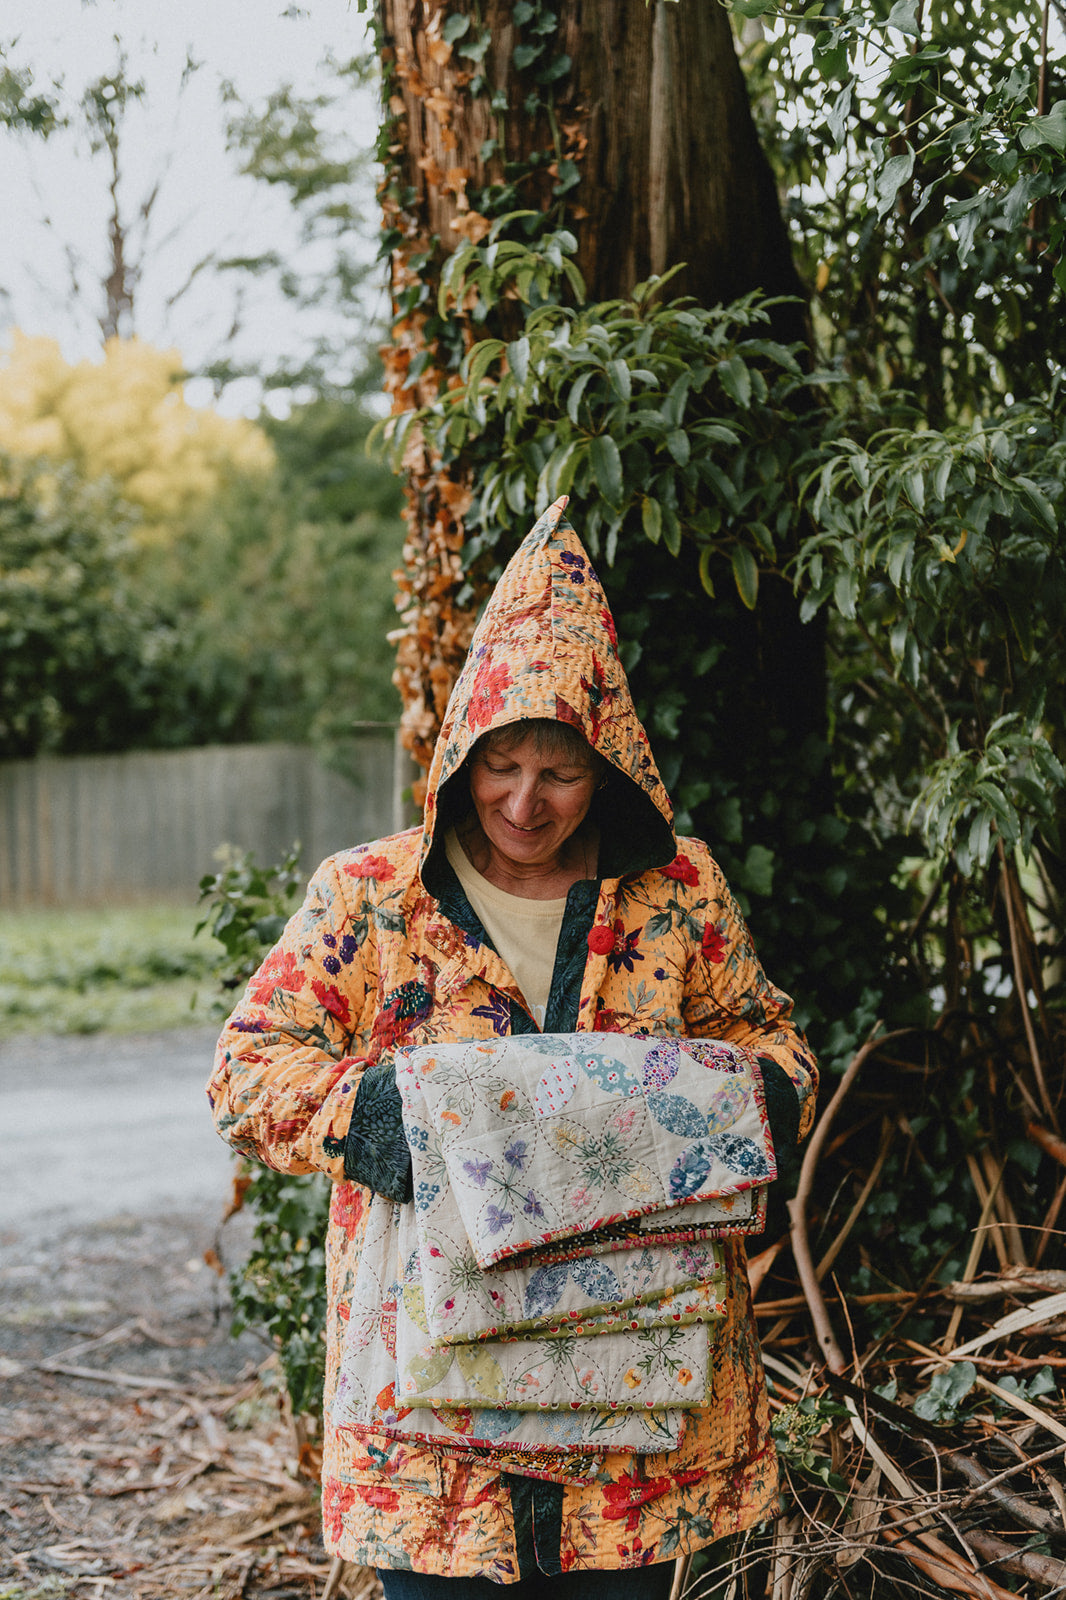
546 646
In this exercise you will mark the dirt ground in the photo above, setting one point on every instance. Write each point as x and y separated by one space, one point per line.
144 1452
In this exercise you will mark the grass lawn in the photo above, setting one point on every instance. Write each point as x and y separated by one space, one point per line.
117 969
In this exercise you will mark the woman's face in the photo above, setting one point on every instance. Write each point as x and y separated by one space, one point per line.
529 802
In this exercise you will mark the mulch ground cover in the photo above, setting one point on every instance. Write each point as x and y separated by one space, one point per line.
144 1453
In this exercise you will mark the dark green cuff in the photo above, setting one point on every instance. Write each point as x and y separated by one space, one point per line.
782 1105
375 1150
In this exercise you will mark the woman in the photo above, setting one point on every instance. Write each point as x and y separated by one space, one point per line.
545 889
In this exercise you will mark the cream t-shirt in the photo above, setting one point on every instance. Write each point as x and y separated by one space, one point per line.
525 932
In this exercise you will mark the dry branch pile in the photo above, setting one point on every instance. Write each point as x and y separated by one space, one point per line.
921 1465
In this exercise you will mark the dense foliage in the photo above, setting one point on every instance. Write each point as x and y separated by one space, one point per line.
83 650
253 605
279 1290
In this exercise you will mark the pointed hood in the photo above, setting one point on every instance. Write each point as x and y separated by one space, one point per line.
546 647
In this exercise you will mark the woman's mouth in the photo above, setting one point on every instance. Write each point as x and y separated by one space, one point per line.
518 828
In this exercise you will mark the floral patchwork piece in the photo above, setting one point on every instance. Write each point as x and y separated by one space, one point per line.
640 1368
520 1146
544 1136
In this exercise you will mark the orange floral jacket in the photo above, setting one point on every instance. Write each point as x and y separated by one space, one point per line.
371 961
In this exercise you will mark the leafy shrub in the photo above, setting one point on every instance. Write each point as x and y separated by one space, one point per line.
280 1291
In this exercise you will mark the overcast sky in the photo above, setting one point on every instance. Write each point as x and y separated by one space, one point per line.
55 200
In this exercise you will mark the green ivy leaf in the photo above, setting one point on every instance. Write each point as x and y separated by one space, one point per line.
1049 130
569 177
890 180
752 8
946 1393
651 517
746 576
454 28
904 17
607 468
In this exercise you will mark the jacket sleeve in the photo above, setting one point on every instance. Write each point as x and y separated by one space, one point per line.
728 995
288 1066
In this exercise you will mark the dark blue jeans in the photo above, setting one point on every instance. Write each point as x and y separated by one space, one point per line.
634 1583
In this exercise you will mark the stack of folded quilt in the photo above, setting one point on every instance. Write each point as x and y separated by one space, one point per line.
553 1289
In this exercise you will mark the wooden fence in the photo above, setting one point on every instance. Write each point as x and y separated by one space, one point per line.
92 830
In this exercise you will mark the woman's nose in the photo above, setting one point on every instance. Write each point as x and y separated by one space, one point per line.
525 800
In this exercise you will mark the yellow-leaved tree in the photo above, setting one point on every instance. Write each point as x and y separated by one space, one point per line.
125 418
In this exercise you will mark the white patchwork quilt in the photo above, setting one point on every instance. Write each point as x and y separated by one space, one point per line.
555 1284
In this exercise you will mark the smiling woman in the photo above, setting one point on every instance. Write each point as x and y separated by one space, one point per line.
545 895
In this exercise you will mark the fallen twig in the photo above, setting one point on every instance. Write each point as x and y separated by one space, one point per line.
1045 1570
301 1513
122 1380
1052 1305
1049 1142
1030 1281
985 1484
939 1562
1025 1464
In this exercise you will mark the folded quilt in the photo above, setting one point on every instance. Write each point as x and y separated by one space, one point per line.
554 1443
545 1136
553 1287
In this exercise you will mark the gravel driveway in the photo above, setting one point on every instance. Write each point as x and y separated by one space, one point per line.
91 1127
113 1183
115 1331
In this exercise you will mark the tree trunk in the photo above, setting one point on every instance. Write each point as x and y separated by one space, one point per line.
650 116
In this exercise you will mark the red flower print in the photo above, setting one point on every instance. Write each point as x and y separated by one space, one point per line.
486 699
625 1498
713 946
605 1021
376 1494
630 1494
612 632
371 867
279 971
601 939
330 999
337 1499
346 1207
682 869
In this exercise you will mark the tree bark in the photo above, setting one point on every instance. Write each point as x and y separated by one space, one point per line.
652 114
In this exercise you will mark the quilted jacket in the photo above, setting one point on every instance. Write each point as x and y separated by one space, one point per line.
373 960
